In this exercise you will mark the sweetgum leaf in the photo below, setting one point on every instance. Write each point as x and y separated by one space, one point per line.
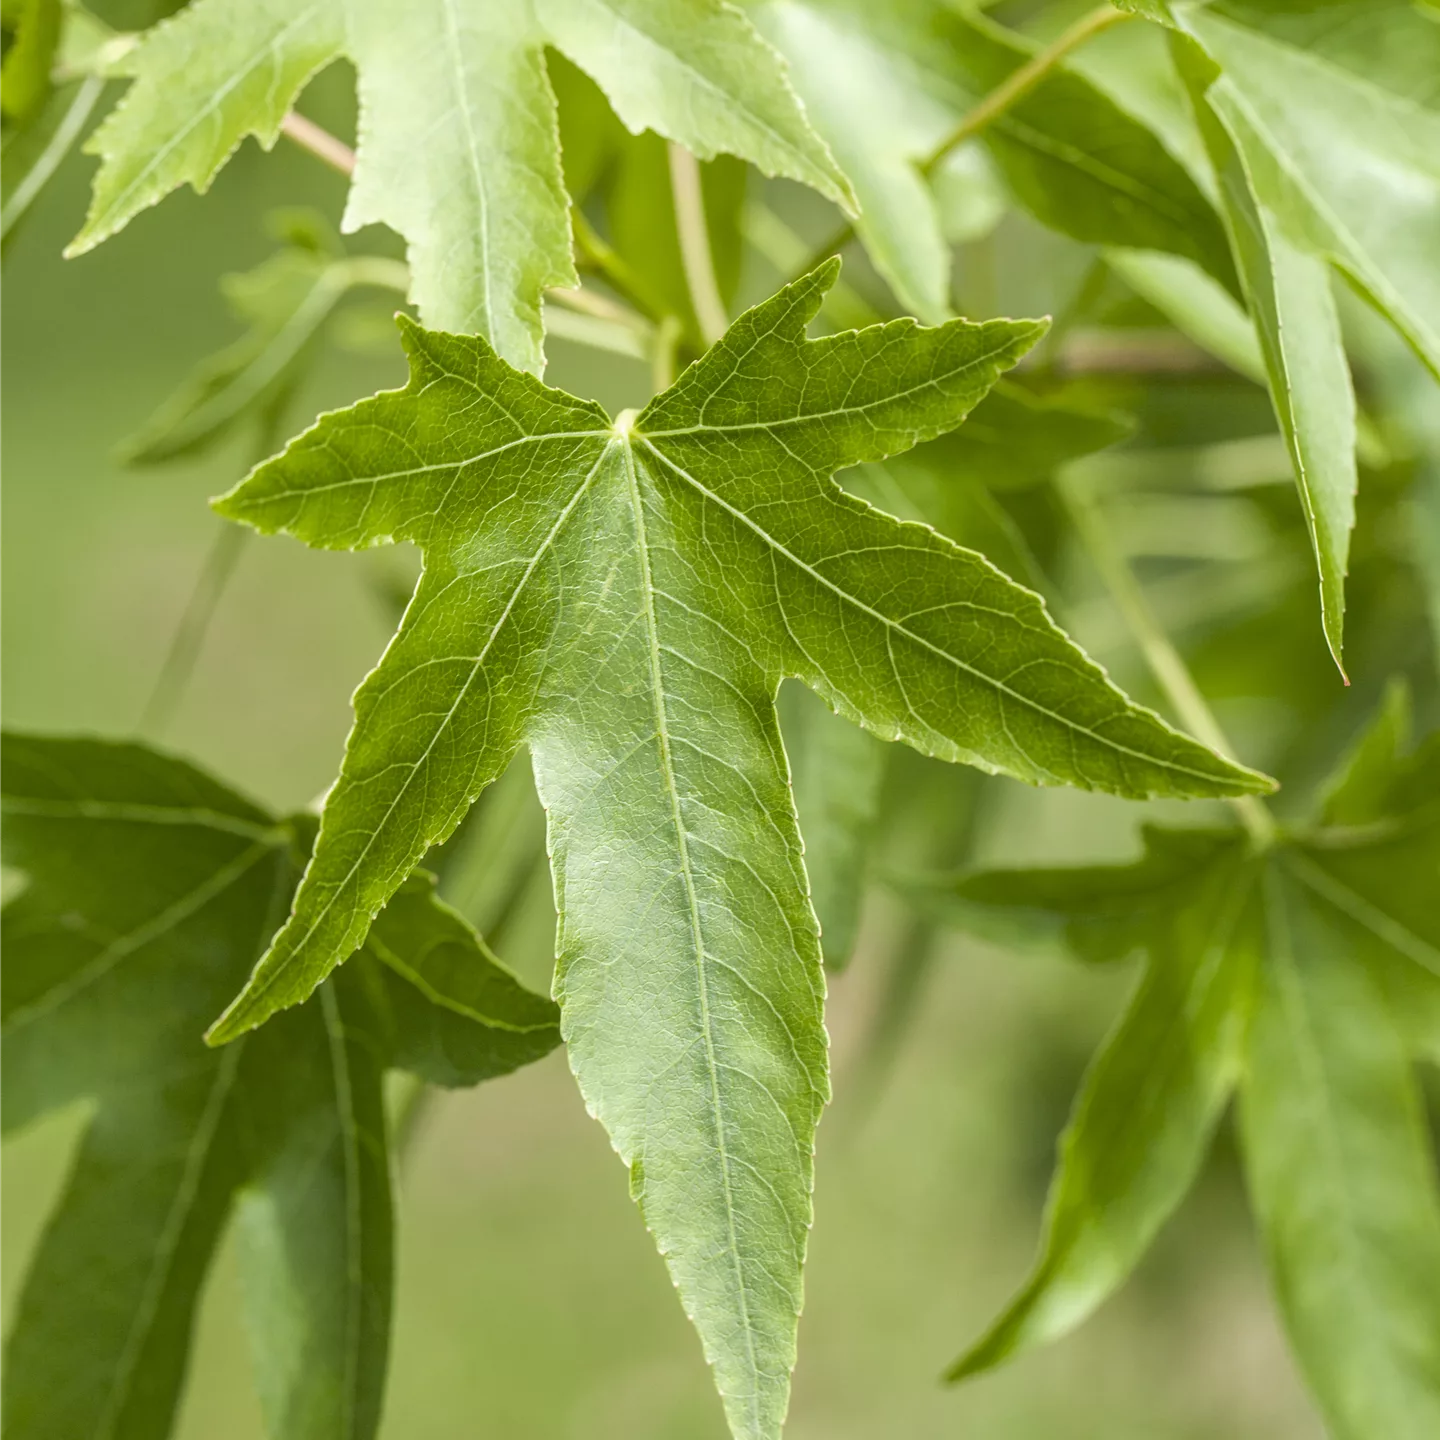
885 84
624 598
1342 1175
1342 139
150 889
1287 286
1332 940
458 146
1151 1099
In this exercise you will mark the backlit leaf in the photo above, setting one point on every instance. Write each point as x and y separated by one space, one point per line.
623 598
1348 160
458 146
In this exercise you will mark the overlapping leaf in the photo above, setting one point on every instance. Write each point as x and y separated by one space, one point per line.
149 890
1320 126
623 597
1288 289
1310 975
1010 440
1333 111
885 84
458 144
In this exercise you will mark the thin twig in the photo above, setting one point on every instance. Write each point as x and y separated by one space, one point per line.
1014 88
376 271
1020 82
209 589
601 307
584 329
185 646
695 243
54 152
319 142
595 253
335 153
663 349
1159 652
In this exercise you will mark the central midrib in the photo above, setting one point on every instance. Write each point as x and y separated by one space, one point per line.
662 724
920 640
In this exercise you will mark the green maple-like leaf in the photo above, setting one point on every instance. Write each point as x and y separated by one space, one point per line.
885 84
623 597
458 146
150 888
1321 125
1309 976
1336 114
1303 351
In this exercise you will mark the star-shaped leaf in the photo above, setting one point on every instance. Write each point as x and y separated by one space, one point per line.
150 888
623 597
1308 974
458 148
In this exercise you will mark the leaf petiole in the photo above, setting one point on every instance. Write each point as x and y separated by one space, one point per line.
699 266
319 142
1013 89
1156 647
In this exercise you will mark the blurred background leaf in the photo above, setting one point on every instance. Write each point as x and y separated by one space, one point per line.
529 1295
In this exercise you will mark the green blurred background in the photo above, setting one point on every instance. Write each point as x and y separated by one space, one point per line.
531 1302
